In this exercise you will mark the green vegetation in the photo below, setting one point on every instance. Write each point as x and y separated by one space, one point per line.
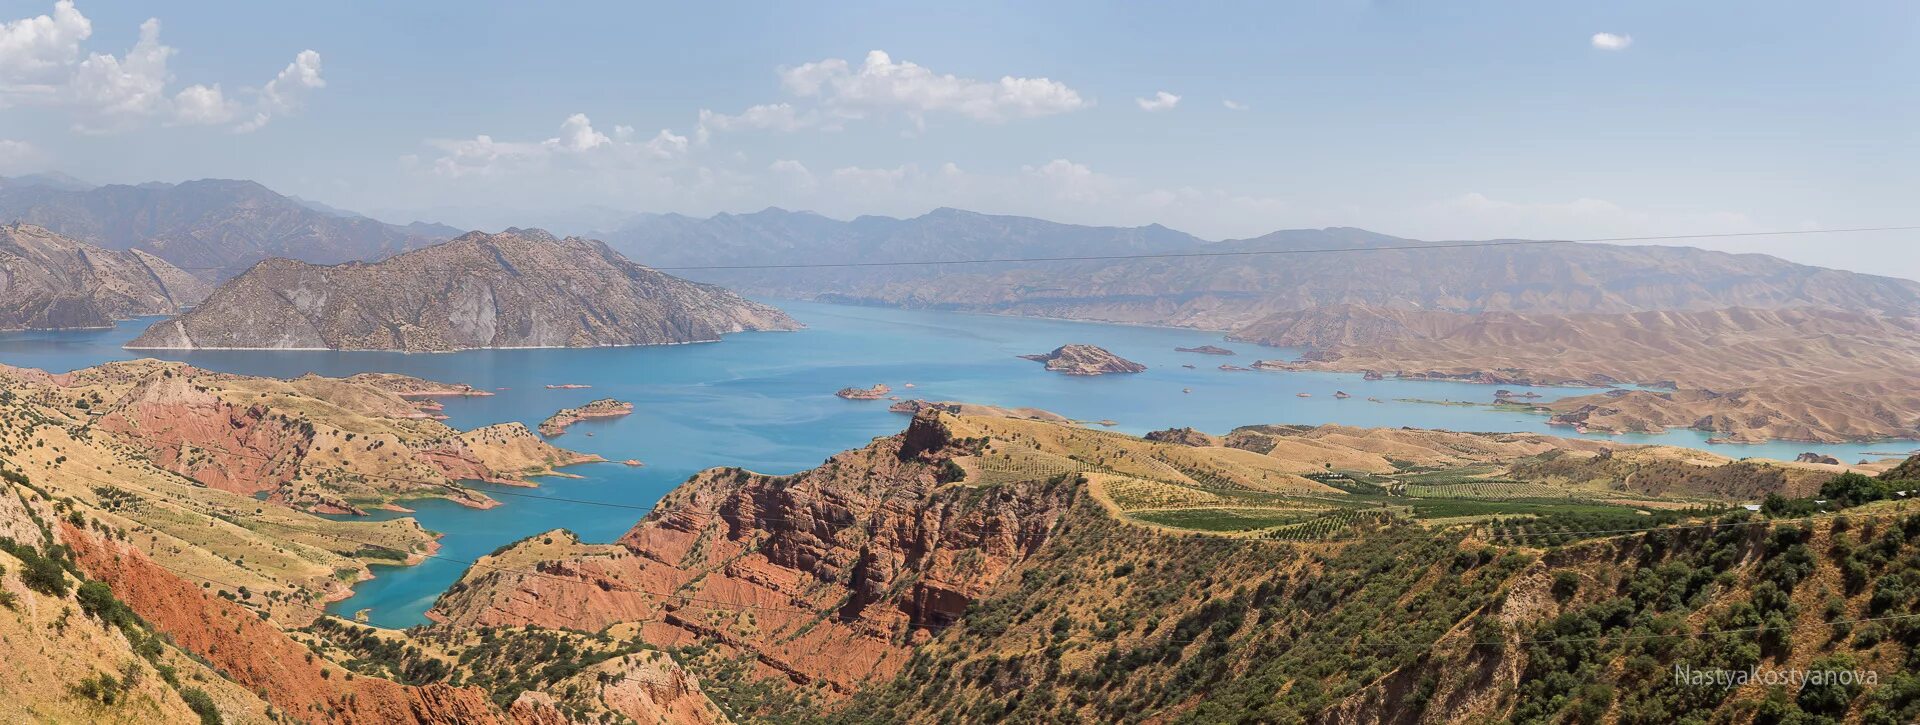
1220 519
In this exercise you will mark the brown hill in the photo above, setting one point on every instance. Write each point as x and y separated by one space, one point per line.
519 288
1803 373
48 281
951 569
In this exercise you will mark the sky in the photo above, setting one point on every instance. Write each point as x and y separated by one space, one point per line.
1459 120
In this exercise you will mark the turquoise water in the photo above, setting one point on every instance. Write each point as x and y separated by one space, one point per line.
765 401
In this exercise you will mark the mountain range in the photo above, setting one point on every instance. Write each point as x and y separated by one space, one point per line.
48 281
214 228
1233 283
518 288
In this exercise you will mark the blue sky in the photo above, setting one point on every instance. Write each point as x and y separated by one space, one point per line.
1433 120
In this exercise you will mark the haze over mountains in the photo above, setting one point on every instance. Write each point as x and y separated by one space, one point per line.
214 228
1226 291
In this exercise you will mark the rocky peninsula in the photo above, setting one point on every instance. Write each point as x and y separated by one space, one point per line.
603 408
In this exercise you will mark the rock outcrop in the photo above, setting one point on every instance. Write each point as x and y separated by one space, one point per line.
878 391
840 566
48 281
911 407
603 408
1077 359
1183 436
519 288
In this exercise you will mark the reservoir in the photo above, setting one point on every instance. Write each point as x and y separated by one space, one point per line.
764 401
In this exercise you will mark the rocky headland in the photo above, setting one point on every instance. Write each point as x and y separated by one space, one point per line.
1078 359
518 288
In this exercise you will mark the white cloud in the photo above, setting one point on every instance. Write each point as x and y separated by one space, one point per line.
1233 105
882 85
577 135
41 65
781 117
1610 41
20 156
41 50
578 145
288 90
115 90
666 145
203 105
793 174
1161 101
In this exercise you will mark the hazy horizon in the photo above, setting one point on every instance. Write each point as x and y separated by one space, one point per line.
1420 122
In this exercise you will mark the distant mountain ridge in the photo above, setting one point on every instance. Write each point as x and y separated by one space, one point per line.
48 281
518 288
1805 373
214 228
1220 292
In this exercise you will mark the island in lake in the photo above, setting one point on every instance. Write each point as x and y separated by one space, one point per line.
1078 359
1205 350
878 391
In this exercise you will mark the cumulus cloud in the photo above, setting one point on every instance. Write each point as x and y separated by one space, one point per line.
881 84
1610 41
198 104
1161 101
782 117
830 92
1233 105
578 145
40 51
43 63
287 91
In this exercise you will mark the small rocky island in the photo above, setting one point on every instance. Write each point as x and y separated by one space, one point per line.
1077 359
878 391
1205 350
603 408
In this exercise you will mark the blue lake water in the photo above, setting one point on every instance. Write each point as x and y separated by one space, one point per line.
765 401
